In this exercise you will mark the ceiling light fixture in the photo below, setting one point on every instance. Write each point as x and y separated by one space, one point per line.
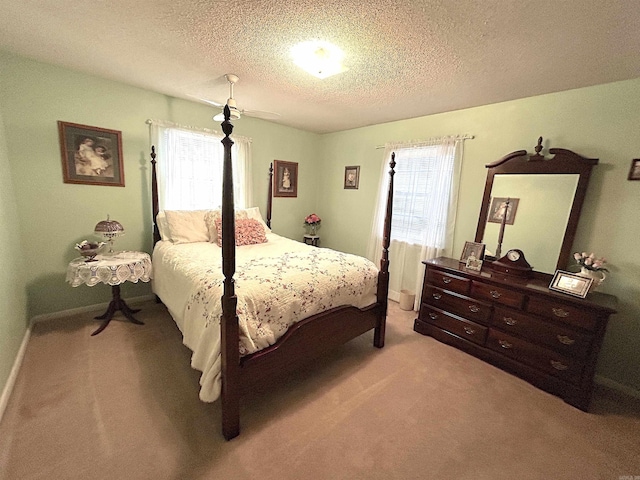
319 58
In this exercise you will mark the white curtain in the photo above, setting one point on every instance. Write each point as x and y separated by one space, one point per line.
426 187
190 163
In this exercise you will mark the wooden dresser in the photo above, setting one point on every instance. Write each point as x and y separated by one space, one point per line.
550 339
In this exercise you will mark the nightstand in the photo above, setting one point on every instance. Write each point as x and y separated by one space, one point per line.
112 269
312 240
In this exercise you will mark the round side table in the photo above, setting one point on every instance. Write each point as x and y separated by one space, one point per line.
111 269
312 240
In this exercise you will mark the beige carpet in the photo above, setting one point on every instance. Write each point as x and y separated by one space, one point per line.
124 405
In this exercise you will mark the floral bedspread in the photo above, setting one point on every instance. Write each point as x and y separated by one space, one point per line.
277 284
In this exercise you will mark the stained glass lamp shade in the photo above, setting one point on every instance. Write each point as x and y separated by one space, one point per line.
109 230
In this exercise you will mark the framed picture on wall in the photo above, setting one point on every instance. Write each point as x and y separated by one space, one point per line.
498 207
351 177
91 155
634 172
285 179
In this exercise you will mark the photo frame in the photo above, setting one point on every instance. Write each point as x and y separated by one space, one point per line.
634 171
496 211
91 155
472 249
474 264
285 179
570 283
352 177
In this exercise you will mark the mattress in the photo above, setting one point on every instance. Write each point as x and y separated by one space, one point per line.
277 283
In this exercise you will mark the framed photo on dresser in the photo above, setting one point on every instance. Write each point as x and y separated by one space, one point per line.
472 250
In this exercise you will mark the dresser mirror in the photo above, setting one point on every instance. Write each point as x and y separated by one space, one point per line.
550 191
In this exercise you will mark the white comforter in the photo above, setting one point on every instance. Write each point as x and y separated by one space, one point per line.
277 283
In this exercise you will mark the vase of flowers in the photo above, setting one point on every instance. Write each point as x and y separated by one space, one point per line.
312 221
591 267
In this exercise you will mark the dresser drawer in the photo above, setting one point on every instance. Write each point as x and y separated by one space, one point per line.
536 356
454 324
449 282
563 312
458 304
564 340
501 295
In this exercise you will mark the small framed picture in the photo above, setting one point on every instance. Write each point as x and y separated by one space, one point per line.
634 172
473 263
351 177
570 283
499 209
91 155
285 179
472 250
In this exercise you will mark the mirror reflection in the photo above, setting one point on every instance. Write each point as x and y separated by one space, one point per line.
537 224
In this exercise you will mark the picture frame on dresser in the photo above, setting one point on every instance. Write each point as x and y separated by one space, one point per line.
472 249
570 283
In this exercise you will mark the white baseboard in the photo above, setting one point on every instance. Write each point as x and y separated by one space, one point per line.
619 387
11 381
88 308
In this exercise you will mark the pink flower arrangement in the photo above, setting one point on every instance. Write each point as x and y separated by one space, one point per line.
590 262
312 219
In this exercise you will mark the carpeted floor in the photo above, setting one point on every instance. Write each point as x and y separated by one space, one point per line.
124 405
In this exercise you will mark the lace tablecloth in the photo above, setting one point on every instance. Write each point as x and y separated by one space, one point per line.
111 269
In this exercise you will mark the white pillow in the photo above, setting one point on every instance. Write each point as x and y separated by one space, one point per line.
163 227
187 226
254 212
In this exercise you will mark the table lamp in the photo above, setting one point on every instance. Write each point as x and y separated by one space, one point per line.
109 230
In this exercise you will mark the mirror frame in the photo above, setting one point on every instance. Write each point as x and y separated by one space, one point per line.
563 162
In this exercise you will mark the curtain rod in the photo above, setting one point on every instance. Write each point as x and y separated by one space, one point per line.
167 124
431 140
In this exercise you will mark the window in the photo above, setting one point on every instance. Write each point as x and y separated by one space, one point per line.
190 165
422 189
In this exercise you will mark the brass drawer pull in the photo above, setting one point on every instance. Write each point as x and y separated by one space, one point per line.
509 320
558 365
495 294
474 308
469 330
559 312
446 280
563 339
437 296
505 344
433 316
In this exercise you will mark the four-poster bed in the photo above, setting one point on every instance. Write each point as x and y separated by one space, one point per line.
321 323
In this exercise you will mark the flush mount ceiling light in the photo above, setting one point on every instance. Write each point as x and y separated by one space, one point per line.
319 58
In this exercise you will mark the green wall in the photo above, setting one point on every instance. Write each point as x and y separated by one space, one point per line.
43 218
598 122
13 299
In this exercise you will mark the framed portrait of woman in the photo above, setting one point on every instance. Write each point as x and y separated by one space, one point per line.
285 179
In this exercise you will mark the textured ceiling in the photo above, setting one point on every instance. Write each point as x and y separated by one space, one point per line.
405 58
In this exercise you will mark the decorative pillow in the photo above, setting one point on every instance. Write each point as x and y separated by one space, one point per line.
249 231
187 226
210 220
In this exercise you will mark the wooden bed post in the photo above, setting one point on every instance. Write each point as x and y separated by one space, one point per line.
383 276
154 196
270 199
230 396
